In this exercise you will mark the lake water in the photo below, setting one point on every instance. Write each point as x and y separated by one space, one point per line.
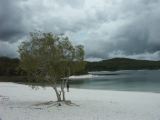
126 80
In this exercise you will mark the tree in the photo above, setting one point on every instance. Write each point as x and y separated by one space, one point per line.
51 58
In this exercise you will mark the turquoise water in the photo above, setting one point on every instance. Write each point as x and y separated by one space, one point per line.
126 80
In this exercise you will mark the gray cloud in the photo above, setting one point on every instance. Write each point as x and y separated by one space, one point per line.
134 31
11 26
107 28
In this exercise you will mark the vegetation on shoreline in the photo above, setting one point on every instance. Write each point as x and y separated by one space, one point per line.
10 71
9 66
122 64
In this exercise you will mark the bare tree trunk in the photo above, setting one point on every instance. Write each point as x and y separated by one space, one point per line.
57 93
62 89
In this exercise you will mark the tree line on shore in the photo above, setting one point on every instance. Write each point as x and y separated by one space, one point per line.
10 66
122 64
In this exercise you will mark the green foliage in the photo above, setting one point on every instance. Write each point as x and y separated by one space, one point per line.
8 66
122 64
49 57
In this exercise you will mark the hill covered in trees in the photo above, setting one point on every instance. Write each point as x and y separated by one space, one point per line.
9 70
122 64
10 66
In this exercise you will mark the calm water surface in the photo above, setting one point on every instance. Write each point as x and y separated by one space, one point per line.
126 80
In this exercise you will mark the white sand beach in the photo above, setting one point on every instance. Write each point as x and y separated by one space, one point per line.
88 76
20 102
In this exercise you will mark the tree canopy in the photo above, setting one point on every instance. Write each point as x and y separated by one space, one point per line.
50 57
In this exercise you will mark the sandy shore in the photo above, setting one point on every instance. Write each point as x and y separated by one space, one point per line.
20 102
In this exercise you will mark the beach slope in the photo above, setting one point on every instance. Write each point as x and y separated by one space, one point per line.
20 102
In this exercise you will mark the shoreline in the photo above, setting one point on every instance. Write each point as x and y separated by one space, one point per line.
76 88
95 89
17 103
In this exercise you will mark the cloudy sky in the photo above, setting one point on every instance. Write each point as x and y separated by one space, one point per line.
106 28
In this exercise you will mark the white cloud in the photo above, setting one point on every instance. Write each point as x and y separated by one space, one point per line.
7 49
142 56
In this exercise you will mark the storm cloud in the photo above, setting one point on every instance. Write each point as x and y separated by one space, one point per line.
11 21
106 28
